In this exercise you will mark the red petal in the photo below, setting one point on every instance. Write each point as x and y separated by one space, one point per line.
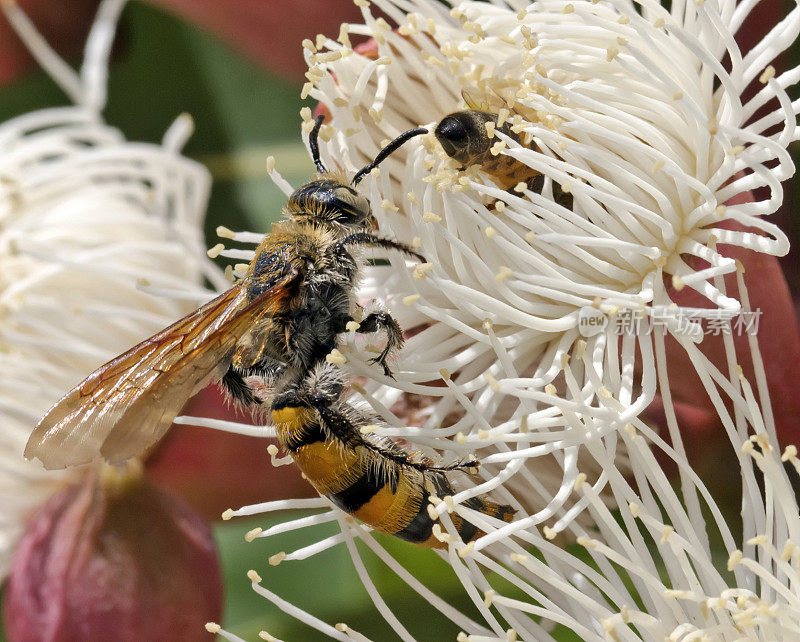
269 31
64 23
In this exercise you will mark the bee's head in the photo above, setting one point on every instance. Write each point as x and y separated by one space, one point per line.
330 201
463 135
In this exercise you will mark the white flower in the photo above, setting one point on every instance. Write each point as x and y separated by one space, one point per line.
91 227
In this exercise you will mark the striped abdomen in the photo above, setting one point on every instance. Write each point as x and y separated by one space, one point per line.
389 496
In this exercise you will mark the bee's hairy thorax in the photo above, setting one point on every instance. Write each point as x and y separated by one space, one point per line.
305 318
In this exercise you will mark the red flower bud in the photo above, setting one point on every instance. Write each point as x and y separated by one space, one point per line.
113 558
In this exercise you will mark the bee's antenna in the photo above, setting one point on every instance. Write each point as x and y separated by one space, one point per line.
313 143
391 147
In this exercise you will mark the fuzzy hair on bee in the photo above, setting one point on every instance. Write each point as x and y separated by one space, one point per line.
366 475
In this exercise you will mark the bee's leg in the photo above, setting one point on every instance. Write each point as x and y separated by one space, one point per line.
345 430
267 368
376 321
536 184
234 384
322 385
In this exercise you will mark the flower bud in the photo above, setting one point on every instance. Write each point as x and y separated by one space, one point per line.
113 557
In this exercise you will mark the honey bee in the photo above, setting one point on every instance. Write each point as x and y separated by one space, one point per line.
367 476
465 138
277 324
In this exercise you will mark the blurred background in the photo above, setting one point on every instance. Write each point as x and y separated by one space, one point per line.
237 68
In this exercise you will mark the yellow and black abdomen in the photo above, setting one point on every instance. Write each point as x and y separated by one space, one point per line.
389 496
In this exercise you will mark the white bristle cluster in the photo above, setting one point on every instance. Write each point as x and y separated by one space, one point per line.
91 227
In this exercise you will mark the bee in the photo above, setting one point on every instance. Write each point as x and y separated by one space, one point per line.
277 322
367 476
465 138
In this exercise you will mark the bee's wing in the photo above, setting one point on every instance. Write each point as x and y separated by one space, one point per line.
125 406
481 100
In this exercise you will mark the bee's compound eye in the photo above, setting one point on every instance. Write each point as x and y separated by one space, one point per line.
353 206
452 134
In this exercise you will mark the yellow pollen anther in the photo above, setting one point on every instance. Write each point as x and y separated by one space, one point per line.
249 536
466 551
769 74
335 357
497 147
734 559
430 217
276 559
502 274
213 627
352 326
214 252
411 299
227 514
421 271
439 534
253 576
